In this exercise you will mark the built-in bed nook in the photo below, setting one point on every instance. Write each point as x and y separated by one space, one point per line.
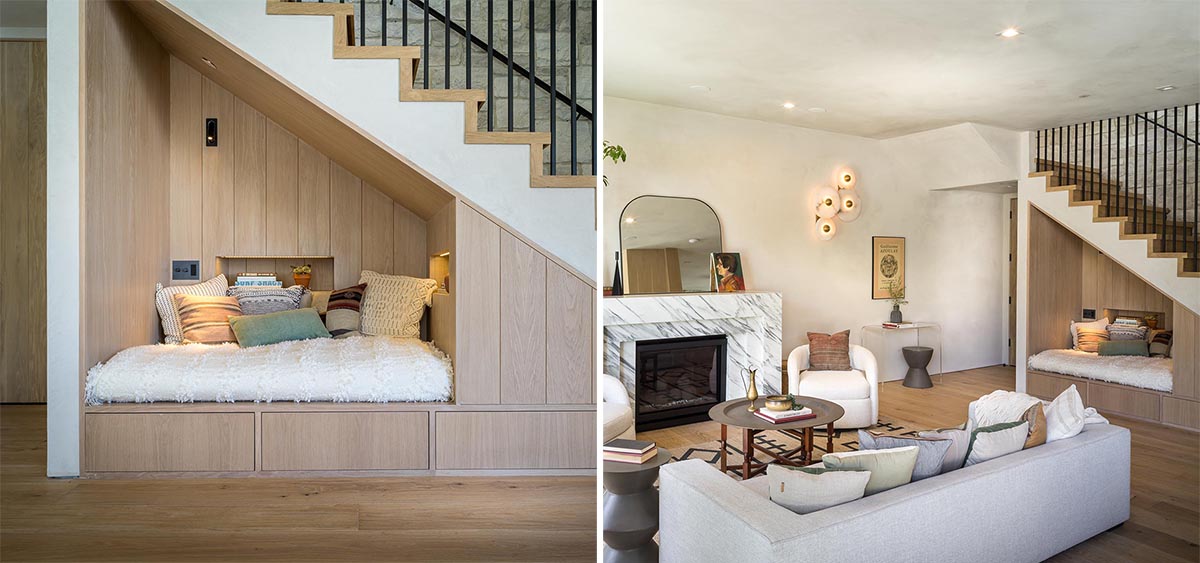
482 358
1128 349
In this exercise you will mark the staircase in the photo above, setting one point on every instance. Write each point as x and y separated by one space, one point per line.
1137 171
415 86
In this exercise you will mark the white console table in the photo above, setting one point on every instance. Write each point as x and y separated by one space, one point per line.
887 344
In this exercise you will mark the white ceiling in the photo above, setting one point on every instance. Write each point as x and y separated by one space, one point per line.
884 68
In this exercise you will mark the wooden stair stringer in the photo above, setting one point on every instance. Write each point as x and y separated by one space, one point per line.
409 60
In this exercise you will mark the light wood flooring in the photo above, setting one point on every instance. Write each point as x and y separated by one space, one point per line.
359 519
1164 524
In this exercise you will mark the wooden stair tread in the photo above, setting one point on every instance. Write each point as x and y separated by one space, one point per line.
453 95
278 7
562 181
508 138
376 52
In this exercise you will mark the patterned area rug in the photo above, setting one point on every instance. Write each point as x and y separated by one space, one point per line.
843 441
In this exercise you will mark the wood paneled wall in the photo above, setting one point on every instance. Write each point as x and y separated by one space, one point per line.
125 208
1108 285
1185 350
525 334
264 192
1055 270
22 222
653 270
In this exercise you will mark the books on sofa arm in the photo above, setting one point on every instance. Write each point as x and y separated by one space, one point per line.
779 417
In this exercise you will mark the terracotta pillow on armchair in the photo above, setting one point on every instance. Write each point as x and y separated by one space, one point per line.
829 352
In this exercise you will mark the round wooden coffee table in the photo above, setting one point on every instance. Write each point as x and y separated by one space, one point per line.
735 413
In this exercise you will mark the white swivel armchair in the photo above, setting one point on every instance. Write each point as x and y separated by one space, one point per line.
856 390
618 413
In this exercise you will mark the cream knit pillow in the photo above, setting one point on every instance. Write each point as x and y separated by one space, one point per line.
393 305
164 300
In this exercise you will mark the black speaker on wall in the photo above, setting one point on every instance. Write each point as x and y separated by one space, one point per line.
210 132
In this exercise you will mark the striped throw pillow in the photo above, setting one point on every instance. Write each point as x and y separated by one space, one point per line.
263 300
205 320
829 352
1126 332
394 305
1160 343
342 317
1090 339
165 302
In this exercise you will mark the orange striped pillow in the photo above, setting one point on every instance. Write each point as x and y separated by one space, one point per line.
205 320
1090 338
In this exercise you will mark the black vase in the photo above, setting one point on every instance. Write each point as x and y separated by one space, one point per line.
617 287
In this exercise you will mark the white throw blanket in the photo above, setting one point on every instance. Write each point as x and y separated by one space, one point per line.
1065 416
1135 371
375 369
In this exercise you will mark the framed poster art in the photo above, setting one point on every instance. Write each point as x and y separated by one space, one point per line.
887 267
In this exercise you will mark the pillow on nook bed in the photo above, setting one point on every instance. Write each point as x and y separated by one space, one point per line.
263 300
1124 348
272 328
1075 326
1090 339
204 319
809 489
394 305
1160 343
165 302
829 352
342 316
1126 332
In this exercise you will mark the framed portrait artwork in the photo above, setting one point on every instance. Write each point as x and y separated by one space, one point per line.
725 270
887 267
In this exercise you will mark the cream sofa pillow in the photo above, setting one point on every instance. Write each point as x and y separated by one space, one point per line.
809 489
991 442
889 468
393 305
1065 415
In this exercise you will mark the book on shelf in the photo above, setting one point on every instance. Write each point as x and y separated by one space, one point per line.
255 275
623 446
778 417
631 458
255 283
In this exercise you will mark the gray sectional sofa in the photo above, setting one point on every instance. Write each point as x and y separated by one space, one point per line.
1025 506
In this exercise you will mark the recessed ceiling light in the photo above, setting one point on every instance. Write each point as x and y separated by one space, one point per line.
788 105
630 220
1166 88
817 110
1009 33
699 88
208 62
693 240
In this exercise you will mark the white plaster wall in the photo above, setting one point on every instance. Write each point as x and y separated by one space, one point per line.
429 134
62 238
760 178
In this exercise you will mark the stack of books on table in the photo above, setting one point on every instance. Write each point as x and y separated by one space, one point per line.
895 325
779 417
630 451
255 279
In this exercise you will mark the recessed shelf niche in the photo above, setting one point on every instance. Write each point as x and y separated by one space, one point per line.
322 268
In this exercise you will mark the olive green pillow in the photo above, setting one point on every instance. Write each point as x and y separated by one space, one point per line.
282 326
1124 348
889 468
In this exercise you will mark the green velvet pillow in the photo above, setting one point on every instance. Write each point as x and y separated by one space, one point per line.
260 330
1124 348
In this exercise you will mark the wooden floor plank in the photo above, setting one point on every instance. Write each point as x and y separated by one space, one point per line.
1164 524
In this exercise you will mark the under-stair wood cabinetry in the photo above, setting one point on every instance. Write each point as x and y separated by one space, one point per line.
522 322
340 441
569 344
477 283
1185 350
515 440
169 442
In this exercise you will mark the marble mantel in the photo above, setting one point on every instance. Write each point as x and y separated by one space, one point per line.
752 321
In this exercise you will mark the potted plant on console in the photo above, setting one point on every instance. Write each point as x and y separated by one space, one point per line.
302 274
896 296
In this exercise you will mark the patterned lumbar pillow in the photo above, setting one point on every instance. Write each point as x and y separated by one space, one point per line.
394 305
1126 332
931 452
263 300
991 442
1160 343
809 489
1090 338
342 311
205 319
829 352
889 468
165 302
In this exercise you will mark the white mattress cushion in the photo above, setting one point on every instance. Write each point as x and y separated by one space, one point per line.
834 385
1137 371
358 369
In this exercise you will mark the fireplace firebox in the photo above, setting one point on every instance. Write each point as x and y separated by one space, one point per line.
678 380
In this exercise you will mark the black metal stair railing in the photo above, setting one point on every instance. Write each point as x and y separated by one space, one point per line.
562 98
1143 166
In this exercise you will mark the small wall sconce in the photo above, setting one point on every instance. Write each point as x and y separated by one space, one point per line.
210 132
841 203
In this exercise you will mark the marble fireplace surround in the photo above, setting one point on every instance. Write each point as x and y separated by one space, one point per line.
752 322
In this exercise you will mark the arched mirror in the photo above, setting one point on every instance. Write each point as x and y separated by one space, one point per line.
666 243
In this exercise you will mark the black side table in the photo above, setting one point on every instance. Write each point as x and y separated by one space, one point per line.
631 510
918 360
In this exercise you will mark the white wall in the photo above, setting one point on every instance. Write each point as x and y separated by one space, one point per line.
62 238
760 178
